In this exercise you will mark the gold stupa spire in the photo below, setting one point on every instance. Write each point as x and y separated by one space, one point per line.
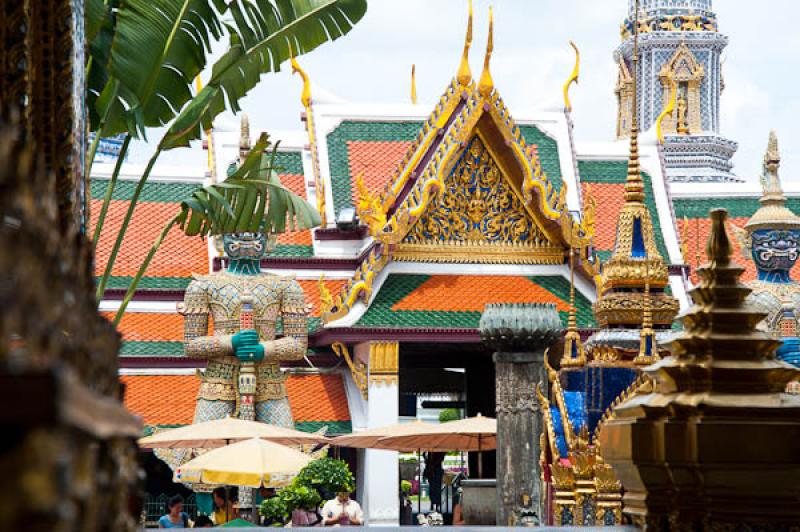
414 84
636 260
773 213
573 346
464 75
486 84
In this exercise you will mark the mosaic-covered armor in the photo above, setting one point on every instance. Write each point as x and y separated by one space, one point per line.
278 306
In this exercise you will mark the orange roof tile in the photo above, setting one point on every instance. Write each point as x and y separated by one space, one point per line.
455 293
318 397
170 399
609 198
311 290
178 256
150 327
377 160
295 182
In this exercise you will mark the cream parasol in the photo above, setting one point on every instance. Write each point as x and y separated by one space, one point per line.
253 463
220 432
370 438
477 433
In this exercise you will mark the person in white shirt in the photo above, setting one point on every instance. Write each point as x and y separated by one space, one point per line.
342 511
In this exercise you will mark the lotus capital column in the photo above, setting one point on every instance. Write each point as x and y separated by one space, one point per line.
519 334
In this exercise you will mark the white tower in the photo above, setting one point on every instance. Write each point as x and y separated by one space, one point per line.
679 48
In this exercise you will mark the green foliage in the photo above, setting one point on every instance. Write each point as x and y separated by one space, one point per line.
327 475
405 487
145 54
274 511
449 414
252 198
298 496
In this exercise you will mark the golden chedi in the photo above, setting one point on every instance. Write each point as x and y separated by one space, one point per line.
712 442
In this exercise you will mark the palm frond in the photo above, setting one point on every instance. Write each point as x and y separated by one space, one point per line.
263 35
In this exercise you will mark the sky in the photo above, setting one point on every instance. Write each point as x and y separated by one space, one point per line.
531 61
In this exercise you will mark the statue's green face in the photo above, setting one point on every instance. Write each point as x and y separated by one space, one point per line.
245 245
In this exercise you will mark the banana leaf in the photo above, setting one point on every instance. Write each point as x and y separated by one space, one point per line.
158 48
263 35
252 198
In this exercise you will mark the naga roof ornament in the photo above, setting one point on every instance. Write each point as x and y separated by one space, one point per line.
464 76
486 84
573 77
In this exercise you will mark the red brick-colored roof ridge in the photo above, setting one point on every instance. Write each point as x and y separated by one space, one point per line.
471 293
171 399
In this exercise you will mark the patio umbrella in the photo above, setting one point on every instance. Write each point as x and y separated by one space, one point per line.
370 438
477 433
252 463
220 432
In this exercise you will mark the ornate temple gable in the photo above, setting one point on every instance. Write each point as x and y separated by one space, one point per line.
478 216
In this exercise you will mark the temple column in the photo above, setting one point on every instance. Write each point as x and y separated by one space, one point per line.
519 334
381 472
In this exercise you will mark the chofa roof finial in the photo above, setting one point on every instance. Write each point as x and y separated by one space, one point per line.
464 75
486 84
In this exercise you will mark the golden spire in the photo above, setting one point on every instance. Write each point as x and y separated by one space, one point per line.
573 347
573 78
414 84
305 96
464 75
634 187
486 84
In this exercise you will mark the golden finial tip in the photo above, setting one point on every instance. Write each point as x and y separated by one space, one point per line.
719 246
573 78
305 96
464 75
414 84
486 85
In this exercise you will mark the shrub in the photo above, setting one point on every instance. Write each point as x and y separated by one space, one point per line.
449 414
274 511
298 496
327 476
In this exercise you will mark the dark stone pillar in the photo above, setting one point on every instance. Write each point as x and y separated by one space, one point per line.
520 334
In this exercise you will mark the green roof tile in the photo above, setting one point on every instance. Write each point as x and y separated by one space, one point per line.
152 349
148 283
548 153
559 287
334 427
737 207
338 157
289 162
292 250
152 190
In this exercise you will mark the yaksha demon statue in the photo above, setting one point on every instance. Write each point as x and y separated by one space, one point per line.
247 307
772 239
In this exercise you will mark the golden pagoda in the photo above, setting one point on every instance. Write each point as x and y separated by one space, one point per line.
712 443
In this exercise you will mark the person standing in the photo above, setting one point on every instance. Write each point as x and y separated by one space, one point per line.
175 516
343 511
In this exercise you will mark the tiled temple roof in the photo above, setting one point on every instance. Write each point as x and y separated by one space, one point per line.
457 301
375 148
606 180
316 400
178 256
